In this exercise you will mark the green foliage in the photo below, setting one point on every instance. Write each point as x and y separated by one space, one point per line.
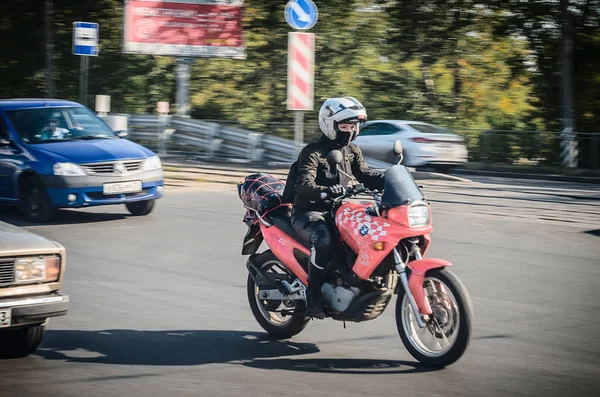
464 64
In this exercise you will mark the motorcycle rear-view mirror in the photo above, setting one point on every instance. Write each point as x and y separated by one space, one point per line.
398 150
334 158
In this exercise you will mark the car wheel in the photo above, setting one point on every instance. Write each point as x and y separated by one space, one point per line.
34 201
22 342
140 208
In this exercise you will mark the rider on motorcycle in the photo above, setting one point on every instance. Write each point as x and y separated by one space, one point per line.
316 184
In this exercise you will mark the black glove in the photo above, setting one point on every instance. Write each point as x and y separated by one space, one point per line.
335 191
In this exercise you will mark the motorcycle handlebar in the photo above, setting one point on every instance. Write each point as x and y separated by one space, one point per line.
349 193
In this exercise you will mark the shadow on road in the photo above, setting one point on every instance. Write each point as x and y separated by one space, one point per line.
354 366
493 337
185 348
11 214
180 347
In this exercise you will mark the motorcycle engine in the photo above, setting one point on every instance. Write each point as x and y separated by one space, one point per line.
338 298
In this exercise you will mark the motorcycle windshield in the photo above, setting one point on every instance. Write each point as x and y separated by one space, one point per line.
400 188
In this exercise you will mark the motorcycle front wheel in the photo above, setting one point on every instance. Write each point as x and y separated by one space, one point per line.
447 333
267 312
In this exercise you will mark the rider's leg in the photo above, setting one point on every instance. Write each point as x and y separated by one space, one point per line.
313 227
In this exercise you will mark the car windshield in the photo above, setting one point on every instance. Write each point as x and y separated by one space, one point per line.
58 124
430 128
400 188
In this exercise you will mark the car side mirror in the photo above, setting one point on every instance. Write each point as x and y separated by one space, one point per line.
121 134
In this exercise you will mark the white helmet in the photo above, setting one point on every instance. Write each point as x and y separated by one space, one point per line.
340 110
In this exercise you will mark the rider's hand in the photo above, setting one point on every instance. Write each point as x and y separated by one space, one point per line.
335 190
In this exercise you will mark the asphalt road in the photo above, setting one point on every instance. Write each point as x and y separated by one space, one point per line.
159 304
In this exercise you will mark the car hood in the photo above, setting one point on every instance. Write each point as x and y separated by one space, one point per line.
94 150
16 241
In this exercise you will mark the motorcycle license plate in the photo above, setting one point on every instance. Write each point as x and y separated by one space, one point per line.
5 318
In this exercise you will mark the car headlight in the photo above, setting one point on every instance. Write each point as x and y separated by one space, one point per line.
37 270
152 163
68 169
418 216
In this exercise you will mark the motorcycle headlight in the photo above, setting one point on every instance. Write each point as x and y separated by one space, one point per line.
418 216
37 270
68 169
152 163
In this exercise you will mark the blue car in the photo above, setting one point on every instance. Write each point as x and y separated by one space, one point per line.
60 154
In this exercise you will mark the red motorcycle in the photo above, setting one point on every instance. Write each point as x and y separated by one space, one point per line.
382 244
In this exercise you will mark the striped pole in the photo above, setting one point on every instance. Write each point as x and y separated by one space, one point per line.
301 69
301 58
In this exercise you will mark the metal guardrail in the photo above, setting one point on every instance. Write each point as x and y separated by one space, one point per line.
171 133
227 139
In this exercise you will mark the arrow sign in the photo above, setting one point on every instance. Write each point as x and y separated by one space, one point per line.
301 14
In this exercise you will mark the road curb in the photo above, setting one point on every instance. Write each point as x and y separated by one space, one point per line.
219 171
538 177
421 175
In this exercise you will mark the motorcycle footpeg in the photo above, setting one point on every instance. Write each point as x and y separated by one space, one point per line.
281 287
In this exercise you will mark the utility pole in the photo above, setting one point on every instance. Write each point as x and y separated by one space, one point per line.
568 145
184 67
49 20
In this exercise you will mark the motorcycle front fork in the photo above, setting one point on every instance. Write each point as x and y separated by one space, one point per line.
401 269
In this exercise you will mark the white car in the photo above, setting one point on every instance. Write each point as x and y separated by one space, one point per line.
424 144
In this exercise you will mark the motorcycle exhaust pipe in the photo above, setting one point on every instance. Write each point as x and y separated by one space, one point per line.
262 279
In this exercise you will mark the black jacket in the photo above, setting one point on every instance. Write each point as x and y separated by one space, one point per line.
313 175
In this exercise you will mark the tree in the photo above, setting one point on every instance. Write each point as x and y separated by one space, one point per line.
460 63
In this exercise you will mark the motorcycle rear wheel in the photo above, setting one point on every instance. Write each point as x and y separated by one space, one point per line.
264 311
446 336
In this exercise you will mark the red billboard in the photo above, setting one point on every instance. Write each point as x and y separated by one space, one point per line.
187 28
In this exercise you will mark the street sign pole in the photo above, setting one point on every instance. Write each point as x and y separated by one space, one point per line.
83 79
301 15
85 44
299 129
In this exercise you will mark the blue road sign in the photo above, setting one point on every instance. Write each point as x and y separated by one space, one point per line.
301 14
85 39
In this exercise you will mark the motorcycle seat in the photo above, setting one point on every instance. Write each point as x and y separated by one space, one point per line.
282 218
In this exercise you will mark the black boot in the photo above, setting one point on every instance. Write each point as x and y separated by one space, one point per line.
314 307
316 276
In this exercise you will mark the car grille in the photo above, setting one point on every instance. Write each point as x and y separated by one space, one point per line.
7 271
108 167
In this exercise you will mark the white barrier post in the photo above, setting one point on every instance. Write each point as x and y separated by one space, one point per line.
163 117
254 142
103 105
214 144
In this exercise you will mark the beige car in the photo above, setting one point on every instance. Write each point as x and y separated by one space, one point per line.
32 270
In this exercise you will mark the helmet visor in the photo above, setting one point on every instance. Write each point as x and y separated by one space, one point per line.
349 127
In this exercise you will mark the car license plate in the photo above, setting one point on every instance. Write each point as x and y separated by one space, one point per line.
446 150
5 316
122 187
